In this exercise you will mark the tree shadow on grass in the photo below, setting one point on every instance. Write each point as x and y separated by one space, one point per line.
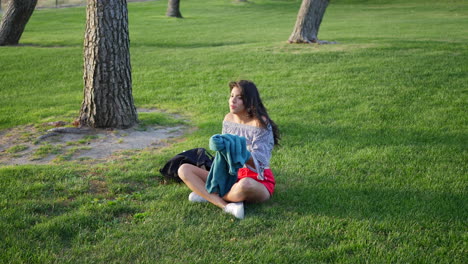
405 42
188 45
139 44
347 193
371 203
54 46
356 136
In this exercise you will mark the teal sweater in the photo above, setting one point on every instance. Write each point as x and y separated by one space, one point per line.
231 155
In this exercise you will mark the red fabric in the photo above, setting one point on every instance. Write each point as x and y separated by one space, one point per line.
269 181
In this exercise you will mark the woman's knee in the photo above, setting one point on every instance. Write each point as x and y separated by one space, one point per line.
184 171
246 185
252 191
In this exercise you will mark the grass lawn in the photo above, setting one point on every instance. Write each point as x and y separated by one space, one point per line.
372 166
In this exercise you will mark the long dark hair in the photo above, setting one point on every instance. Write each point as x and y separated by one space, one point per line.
254 105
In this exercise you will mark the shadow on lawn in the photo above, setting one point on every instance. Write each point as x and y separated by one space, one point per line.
333 195
356 136
186 45
142 43
374 203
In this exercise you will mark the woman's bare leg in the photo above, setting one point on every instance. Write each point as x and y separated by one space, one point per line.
248 190
195 179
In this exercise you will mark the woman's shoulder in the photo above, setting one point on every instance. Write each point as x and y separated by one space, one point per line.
229 117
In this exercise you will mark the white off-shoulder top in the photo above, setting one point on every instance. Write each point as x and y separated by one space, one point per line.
259 141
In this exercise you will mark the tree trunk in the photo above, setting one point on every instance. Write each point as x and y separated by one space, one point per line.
173 9
14 20
108 100
308 22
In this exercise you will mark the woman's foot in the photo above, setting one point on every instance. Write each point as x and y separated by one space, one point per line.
195 198
236 209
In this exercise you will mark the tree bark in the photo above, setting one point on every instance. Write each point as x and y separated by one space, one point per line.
108 100
14 21
308 22
173 9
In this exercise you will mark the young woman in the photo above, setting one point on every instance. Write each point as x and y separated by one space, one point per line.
247 118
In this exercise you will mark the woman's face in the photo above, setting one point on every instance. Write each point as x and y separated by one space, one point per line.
236 102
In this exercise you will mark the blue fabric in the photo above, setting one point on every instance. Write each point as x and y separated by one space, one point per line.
231 155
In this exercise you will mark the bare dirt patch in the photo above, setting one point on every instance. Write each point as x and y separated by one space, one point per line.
27 144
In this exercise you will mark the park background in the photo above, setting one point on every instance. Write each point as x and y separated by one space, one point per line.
372 165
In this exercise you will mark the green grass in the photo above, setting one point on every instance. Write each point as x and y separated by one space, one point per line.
372 165
47 149
146 119
16 149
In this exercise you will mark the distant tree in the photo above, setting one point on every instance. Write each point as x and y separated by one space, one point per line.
308 22
14 20
173 9
108 100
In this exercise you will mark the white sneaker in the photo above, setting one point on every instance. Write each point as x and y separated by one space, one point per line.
236 209
195 198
